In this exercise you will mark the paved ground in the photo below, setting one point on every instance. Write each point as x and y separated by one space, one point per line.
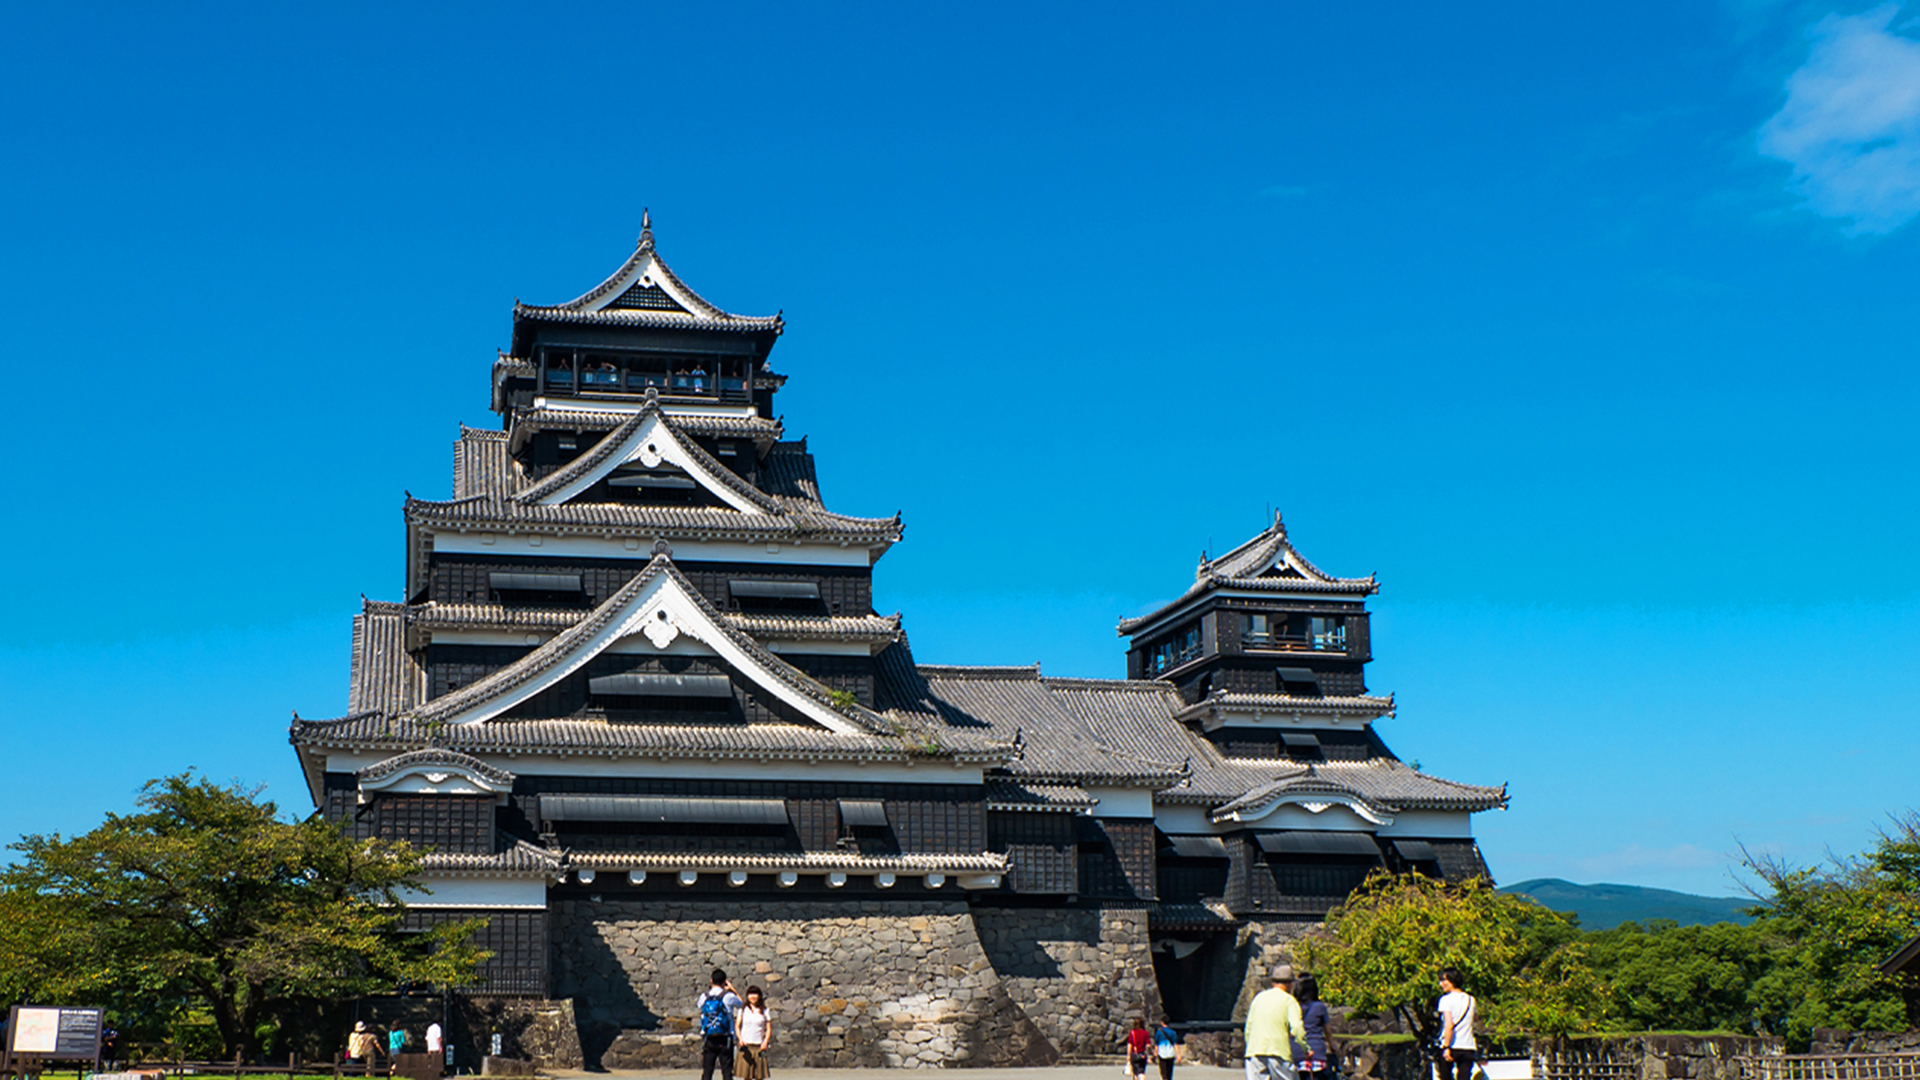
1056 1073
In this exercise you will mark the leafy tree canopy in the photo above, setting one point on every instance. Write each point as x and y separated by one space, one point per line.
1525 964
1827 929
206 899
1667 977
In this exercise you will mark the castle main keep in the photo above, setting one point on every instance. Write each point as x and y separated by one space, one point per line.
638 706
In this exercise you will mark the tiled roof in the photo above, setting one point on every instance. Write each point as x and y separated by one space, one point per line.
509 367
1138 720
788 471
1223 701
1381 782
617 442
511 857
1138 717
816 861
383 675
436 616
596 737
819 627
563 647
482 465
666 320
1202 916
796 521
544 417
434 756
1013 703
1267 563
439 616
645 267
779 516
1012 795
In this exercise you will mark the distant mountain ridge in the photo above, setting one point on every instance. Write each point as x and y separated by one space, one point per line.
1602 907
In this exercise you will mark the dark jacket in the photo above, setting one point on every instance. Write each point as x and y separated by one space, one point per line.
1313 1017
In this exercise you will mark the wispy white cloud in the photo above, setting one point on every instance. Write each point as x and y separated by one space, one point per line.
1851 124
1635 860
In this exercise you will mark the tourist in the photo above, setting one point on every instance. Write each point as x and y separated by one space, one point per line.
1273 1026
1138 1042
1313 1017
715 1011
361 1045
434 1044
396 1042
1166 1047
753 1027
1457 1007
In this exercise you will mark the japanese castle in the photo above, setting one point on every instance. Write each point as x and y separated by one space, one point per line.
637 704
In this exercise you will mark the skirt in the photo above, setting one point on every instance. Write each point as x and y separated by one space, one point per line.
750 1064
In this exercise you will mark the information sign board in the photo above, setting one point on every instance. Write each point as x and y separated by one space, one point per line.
46 1031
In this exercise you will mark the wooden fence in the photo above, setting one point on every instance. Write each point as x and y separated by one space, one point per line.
1831 1067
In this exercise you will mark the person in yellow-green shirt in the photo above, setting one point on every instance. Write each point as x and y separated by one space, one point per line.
1273 1027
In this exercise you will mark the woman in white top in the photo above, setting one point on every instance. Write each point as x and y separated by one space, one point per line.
1457 1007
753 1027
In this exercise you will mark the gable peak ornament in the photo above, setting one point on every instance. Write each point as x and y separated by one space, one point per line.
660 629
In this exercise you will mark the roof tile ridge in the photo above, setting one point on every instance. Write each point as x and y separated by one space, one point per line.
433 755
641 250
725 475
1094 682
1129 623
1307 565
539 659
481 497
981 671
1276 531
709 309
817 509
585 463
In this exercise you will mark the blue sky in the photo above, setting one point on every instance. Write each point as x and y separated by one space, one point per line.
1589 328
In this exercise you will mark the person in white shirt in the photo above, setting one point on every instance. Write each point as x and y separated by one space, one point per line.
753 1027
1457 1008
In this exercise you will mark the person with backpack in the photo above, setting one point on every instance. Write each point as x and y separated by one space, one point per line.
715 1012
1166 1047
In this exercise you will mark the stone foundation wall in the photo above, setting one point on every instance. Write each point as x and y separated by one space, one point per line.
542 1032
1833 1041
1652 1057
1265 943
1080 974
851 983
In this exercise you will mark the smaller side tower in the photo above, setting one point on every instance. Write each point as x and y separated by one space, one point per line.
1260 619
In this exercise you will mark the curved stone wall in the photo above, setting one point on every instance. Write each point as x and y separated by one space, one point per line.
851 983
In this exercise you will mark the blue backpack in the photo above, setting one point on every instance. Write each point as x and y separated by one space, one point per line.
714 1017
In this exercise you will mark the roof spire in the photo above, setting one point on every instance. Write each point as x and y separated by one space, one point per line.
1279 526
646 228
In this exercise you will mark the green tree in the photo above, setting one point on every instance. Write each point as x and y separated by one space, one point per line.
1686 978
206 899
1828 928
1525 964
